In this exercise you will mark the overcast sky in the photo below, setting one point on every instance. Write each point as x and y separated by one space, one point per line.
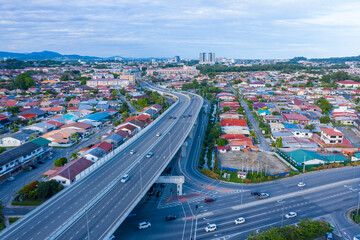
165 28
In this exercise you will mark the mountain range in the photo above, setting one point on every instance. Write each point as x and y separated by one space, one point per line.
46 55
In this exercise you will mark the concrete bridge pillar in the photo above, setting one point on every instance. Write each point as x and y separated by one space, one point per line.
183 149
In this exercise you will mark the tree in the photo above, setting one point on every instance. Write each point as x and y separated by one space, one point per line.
222 141
325 119
14 110
275 113
46 190
73 155
226 109
60 162
116 122
310 127
241 110
325 106
23 81
142 102
65 77
122 91
125 115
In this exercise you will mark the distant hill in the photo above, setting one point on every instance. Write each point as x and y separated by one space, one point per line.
45 55
336 59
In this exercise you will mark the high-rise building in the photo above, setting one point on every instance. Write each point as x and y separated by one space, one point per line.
211 58
202 58
177 59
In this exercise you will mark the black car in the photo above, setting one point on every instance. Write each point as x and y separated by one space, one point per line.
170 218
255 193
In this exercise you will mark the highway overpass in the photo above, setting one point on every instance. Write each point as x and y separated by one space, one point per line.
95 206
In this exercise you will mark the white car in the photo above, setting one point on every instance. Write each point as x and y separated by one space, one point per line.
125 178
210 227
239 220
291 215
132 152
149 155
10 179
301 184
144 225
158 134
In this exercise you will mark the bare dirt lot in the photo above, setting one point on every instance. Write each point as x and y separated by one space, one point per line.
253 161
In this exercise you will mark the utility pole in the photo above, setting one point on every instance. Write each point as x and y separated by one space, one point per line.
196 219
358 204
87 225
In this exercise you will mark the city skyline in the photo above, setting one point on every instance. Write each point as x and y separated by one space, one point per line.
256 29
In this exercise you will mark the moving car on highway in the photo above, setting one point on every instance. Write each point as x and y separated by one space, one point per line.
132 152
158 134
209 199
170 217
239 220
301 184
210 227
255 193
125 178
144 225
263 195
290 215
149 155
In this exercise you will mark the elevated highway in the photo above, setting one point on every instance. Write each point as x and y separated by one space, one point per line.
95 206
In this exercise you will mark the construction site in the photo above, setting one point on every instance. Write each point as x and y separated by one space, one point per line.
252 161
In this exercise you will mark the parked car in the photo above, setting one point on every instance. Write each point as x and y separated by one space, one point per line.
144 225
329 236
263 195
10 179
149 155
210 227
239 220
290 215
209 199
301 184
132 152
170 218
125 178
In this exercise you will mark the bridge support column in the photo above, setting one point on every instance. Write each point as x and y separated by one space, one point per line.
178 180
183 149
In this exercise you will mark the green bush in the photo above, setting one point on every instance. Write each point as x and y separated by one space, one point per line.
60 162
306 230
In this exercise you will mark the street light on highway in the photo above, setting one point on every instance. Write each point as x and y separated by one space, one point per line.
283 208
87 225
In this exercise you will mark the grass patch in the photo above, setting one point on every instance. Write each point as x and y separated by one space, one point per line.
26 203
2 226
13 219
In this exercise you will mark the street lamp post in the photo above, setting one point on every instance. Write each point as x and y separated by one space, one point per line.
87 225
358 204
282 215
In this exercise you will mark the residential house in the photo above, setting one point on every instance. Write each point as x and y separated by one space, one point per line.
66 174
24 155
331 136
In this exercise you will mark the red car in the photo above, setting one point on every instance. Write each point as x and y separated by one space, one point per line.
209 199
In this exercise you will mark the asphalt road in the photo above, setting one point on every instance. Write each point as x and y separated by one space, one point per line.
327 196
8 189
101 217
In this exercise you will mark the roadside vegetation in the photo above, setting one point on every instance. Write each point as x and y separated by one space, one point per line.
305 230
2 220
36 193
